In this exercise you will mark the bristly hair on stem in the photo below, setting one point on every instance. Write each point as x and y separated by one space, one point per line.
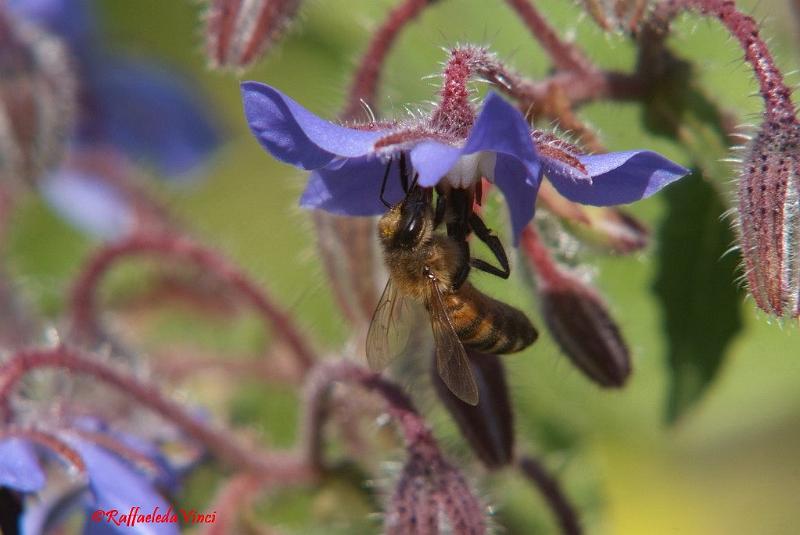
776 94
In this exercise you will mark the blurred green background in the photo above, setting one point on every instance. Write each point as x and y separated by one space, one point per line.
730 466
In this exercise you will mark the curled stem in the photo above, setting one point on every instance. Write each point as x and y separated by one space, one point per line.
280 466
83 305
565 55
773 89
235 495
565 513
364 86
539 255
321 380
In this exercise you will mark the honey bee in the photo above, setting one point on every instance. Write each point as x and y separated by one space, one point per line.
423 266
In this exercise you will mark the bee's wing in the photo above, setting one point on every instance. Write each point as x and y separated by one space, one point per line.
451 358
390 328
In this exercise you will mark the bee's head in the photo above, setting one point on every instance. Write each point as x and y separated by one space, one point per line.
409 222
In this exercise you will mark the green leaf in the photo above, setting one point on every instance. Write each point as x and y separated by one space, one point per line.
696 285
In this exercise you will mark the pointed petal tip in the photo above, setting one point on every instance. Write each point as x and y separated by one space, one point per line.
295 135
619 177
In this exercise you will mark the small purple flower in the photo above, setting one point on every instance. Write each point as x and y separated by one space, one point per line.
348 163
138 109
114 483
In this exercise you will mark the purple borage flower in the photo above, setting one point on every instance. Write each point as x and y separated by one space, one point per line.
113 483
135 108
348 163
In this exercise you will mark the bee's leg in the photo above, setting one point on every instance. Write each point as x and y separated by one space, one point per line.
383 184
459 203
494 244
441 209
404 173
461 275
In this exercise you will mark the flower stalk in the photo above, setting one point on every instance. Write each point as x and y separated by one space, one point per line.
83 301
565 56
563 510
364 87
280 466
577 318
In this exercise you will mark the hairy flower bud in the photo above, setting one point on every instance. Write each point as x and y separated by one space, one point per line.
238 32
578 319
488 427
769 217
432 497
37 96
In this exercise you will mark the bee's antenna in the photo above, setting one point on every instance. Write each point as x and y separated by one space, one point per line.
385 178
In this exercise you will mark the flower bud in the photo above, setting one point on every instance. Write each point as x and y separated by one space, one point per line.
606 227
488 427
769 218
578 319
37 100
432 496
238 32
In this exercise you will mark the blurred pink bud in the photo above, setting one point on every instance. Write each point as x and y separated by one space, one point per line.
488 427
607 227
578 319
239 32
37 100
432 497
617 15
769 217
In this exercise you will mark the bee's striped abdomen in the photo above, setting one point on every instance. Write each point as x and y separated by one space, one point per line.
486 324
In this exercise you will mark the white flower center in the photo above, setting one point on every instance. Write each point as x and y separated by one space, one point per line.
470 168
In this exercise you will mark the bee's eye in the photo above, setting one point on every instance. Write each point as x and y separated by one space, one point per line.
410 230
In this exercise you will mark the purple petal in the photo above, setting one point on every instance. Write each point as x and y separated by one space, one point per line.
51 510
167 476
19 467
353 188
432 160
149 114
71 20
117 485
88 203
501 128
296 136
619 177
554 166
519 188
